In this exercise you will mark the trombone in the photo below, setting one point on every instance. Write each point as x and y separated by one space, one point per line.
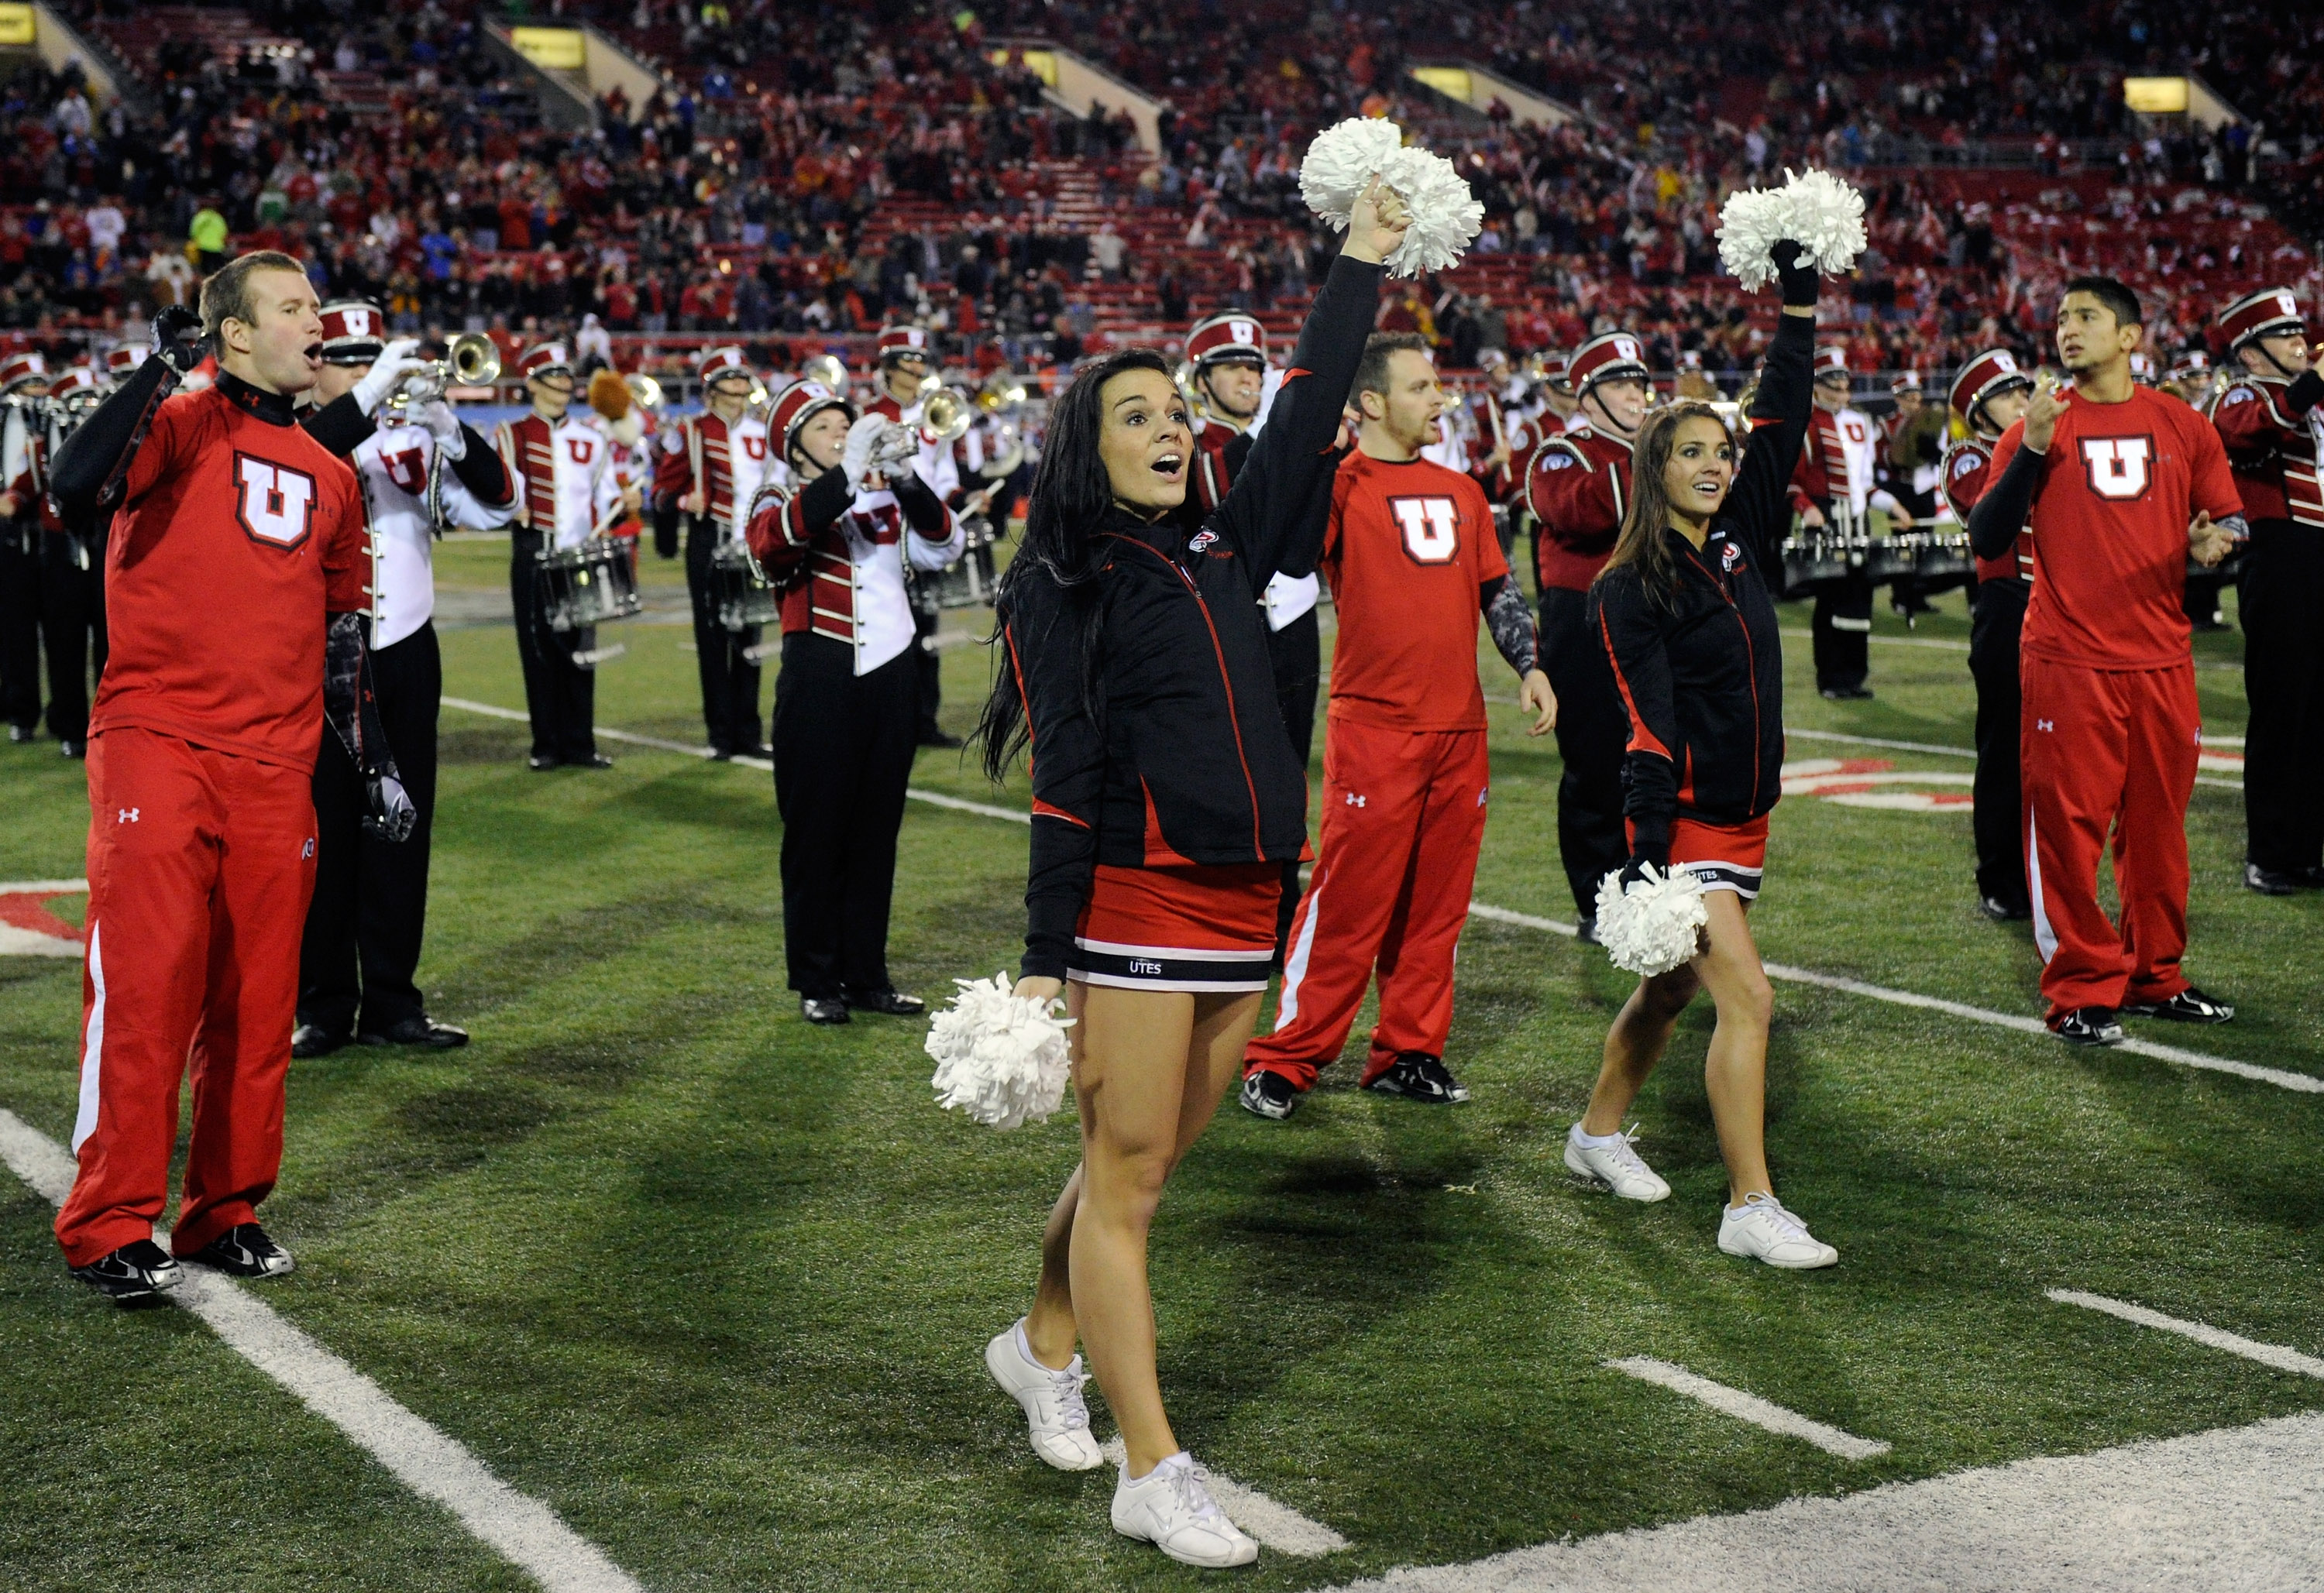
475 362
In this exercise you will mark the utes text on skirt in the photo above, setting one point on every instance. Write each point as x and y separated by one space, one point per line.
1391 892
2108 748
201 864
1198 928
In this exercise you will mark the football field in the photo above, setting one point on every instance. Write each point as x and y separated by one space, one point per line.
656 1285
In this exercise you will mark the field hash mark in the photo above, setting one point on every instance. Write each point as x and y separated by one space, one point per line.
1750 1407
2270 1355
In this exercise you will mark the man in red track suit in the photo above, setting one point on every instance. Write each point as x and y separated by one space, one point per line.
2116 482
236 576
1413 563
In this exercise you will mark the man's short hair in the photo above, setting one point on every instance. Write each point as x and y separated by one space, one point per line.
2111 293
225 295
1371 370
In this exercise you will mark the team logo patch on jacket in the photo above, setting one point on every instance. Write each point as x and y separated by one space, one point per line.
1202 540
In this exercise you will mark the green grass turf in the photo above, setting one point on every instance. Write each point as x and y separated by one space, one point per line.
715 1284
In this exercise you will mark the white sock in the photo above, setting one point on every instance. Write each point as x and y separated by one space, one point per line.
1180 1461
1595 1141
1025 1349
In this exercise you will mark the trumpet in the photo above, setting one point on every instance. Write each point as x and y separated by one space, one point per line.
1004 390
944 415
475 362
829 370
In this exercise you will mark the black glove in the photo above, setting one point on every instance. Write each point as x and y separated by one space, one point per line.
392 817
178 338
1799 281
1649 843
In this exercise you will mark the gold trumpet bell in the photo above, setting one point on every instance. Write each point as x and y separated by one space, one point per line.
474 361
829 370
944 415
1004 390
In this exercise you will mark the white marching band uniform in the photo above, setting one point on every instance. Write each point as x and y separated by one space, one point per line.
393 466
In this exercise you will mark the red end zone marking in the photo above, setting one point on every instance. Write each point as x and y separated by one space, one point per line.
27 927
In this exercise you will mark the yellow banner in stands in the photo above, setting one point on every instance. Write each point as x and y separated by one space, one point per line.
1452 82
552 49
17 25
1041 63
2155 96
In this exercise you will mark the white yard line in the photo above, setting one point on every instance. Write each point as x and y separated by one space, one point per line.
2236 1507
1749 1408
2272 1355
2304 1082
43 886
1277 1526
519 1527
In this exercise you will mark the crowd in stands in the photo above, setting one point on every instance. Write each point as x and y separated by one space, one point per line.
813 172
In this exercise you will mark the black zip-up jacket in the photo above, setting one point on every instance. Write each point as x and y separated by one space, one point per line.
1699 668
1186 760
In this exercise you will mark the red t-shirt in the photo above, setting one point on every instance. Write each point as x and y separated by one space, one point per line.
2118 486
235 539
1408 546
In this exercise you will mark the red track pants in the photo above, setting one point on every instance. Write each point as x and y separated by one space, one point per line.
200 865
2107 748
1404 814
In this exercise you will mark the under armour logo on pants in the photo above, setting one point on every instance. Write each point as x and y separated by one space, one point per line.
128 816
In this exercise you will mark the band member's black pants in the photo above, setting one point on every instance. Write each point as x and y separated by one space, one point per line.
1593 729
2283 613
729 681
559 695
72 630
363 928
20 624
928 664
1997 616
844 746
1843 633
1296 653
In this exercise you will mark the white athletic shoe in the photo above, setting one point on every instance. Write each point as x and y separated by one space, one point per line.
1764 1230
1615 1166
1055 1417
1171 1508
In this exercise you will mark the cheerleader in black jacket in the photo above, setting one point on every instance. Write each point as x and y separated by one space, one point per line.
1165 801
1683 607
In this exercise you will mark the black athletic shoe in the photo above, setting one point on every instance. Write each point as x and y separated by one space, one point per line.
140 1270
308 1041
2088 1025
823 1009
1418 1076
244 1250
761 751
2269 882
594 760
20 734
73 749
2003 912
423 1030
890 1002
540 763
1269 1095
1586 931
2189 1006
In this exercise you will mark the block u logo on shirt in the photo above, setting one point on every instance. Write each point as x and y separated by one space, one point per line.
276 504
1430 528
2118 465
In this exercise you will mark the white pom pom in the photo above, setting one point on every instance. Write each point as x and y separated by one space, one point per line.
1814 209
1342 159
1445 215
1000 1057
1654 925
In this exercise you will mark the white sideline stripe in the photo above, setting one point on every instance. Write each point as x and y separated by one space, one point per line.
2272 1355
2306 1083
522 1529
44 888
2243 1070
1749 1408
1278 1527
2234 1507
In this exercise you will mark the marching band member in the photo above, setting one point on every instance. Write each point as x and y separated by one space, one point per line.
1578 490
24 381
839 544
72 572
2271 417
361 948
566 493
903 352
1990 393
1688 619
1835 473
235 569
711 468
1158 841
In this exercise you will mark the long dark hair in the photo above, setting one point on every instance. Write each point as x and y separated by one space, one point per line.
1641 541
1071 496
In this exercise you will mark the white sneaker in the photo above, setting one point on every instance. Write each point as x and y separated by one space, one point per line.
1171 1508
1615 1165
1761 1229
1056 1418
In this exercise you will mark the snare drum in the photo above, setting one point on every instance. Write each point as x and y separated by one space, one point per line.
1946 559
1813 557
588 584
969 581
1894 558
739 589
